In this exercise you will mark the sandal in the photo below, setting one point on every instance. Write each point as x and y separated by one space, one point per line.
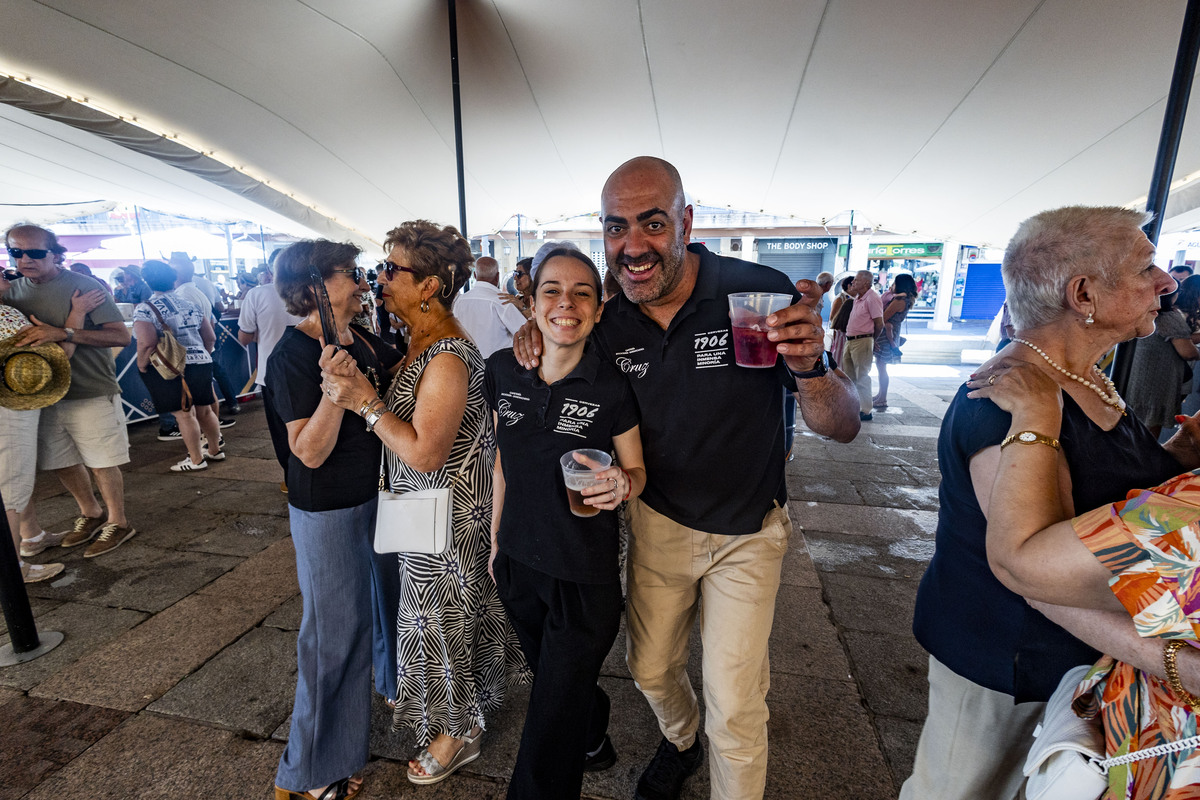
338 790
435 772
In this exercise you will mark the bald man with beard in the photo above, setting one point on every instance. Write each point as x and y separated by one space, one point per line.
489 320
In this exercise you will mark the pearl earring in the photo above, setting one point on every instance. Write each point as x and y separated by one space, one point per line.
1090 319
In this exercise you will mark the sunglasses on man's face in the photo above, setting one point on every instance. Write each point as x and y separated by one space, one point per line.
390 269
15 253
356 273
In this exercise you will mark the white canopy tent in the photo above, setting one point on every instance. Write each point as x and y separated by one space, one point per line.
952 120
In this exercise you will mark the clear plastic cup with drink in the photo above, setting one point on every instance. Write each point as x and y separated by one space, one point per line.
578 475
749 311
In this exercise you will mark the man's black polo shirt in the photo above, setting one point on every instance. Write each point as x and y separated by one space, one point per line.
712 431
536 425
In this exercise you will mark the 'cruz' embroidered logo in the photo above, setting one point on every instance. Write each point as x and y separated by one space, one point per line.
627 364
504 409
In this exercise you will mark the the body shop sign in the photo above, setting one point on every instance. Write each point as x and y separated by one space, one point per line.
795 245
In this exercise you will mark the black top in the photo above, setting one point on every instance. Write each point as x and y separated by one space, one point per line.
712 431
350 475
537 425
964 616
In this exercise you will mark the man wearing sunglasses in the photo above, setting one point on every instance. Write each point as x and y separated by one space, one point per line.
86 429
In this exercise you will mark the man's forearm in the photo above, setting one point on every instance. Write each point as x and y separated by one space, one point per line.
829 405
102 337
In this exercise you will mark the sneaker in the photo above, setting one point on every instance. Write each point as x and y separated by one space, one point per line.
83 531
226 422
34 573
219 456
188 466
604 757
111 537
664 776
43 541
170 435
204 442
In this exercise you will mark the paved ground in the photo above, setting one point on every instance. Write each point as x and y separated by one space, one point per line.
178 668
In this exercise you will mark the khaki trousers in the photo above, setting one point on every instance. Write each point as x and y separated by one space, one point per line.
731 582
974 742
856 363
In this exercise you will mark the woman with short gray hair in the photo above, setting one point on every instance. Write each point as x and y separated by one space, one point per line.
1080 280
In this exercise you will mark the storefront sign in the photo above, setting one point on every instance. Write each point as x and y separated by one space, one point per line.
795 245
926 250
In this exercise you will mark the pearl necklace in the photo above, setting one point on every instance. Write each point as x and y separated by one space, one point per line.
1111 397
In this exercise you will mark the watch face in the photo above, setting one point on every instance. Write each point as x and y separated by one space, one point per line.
1027 437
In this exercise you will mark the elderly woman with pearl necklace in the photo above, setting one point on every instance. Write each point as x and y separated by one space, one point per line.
1079 281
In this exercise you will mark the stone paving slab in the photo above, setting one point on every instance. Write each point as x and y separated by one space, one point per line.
243 535
261 582
804 640
42 736
287 616
848 471
822 743
869 556
159 758
874 605
892 671
886 522
171 529
883 495
132 576
822 490
899 737
253 497
84 627
798 568
140 666
249 686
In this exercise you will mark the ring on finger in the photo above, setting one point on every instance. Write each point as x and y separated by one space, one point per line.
991 379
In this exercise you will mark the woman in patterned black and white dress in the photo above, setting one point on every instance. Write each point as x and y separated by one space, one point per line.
455 648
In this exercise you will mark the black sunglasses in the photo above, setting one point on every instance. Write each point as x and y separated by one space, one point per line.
15 253
357 273
389 269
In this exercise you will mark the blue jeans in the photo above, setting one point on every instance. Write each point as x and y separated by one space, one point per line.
331 717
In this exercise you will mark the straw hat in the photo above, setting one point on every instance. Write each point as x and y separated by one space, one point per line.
30 377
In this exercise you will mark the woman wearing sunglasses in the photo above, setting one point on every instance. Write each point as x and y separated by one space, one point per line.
454 647
331 477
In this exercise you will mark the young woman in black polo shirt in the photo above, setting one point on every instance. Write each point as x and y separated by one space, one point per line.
557 573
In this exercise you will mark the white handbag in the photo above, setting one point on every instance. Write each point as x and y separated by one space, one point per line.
1066 761
1061 764
417 522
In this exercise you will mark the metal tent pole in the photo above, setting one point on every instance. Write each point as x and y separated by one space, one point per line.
24 642
1164 163
458 147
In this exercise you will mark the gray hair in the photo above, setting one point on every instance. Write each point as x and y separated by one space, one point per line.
1052 247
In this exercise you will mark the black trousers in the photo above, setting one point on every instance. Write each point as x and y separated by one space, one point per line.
566 630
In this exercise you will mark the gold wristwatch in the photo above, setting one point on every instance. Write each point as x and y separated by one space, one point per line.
1030 437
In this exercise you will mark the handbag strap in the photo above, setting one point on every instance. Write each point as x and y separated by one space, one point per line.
165 333
1149 752
383 476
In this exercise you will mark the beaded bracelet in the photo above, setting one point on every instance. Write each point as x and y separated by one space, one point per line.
1170 651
